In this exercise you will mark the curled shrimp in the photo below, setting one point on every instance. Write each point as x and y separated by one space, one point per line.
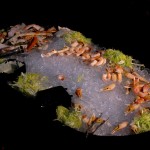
100 61
85 56
95 56
93 63
118 69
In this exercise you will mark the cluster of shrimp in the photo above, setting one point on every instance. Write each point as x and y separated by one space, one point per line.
140 87
27 37
135 83
91 121
80 50
113 73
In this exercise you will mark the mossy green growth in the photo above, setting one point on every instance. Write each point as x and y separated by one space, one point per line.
62 113
76 36
68 117
141 123
31 83
117 57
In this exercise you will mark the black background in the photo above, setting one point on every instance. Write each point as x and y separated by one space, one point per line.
122 25
114 24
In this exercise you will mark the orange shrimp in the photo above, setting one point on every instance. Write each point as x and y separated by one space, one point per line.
120 127
132 107
78 92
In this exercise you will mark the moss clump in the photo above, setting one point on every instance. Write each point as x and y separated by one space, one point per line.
31 83
141 123
76 36
117 57
62 113
68 117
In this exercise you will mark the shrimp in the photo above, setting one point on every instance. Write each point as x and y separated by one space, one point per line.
146 88
140 77
95 56
79 92
119 77
130 75
104 61
91 120
147 97
101 61
139 100
93 63
80 52
137 88
119 127
118 69
106 76
131 108
114 77
85 56
61 77
109 87
74 44
85 119
142 94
